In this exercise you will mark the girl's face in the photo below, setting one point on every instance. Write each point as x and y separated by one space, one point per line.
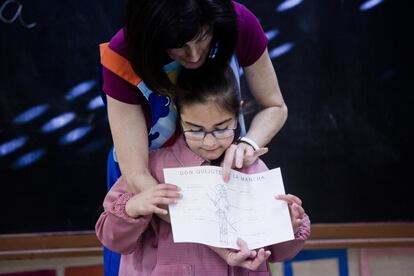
195 52
208 117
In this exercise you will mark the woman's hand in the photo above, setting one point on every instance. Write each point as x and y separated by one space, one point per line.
148 201
237 156
245 258
295 208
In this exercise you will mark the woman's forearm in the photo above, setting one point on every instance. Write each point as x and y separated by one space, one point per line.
139 181
130 137
262 81
266 124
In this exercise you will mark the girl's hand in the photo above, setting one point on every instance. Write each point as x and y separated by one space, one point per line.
147 202
295 209
245 258
237 156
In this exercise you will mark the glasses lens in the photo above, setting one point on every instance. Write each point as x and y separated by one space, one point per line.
218 133
223 133
194 135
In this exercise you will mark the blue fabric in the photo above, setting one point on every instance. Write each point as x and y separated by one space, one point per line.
112 170
163 117
111 262
111 259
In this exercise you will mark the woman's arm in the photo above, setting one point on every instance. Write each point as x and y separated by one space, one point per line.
130 137
262 81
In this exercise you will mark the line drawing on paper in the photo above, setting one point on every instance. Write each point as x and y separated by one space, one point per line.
222 208
219 212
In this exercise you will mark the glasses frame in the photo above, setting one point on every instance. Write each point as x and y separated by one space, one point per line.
209 132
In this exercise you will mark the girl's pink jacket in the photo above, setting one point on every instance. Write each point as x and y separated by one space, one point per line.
146 243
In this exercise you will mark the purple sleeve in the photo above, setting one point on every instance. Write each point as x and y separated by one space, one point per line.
252 40
113 85
119 89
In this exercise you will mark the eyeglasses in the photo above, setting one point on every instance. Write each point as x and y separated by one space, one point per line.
201 134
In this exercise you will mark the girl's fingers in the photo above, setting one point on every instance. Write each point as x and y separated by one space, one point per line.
242 244
290 199
167 194
164 201
300 210
243 248
295 199
240 153
297 211
262 255
168 187
228 162
159 211
167 190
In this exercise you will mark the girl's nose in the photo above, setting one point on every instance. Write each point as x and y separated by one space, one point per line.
209 140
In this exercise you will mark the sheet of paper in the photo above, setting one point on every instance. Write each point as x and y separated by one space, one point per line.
216 213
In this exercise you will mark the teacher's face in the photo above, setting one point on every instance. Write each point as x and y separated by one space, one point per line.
195 52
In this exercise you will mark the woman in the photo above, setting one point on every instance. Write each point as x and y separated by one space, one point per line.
141 61
186 31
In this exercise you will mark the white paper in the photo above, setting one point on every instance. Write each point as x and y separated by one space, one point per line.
216 213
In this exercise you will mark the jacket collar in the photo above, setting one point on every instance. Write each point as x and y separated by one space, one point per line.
185 156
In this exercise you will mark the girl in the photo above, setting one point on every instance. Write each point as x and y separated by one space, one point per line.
208 106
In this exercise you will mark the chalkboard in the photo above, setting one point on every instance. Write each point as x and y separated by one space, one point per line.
344 72
54 135
342 67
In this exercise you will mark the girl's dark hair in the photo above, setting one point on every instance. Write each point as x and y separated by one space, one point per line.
200 86
154 26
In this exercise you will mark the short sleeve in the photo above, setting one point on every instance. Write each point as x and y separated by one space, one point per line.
115 86
252 40
119 89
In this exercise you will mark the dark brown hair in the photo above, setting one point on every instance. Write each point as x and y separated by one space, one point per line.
154 26
203 86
